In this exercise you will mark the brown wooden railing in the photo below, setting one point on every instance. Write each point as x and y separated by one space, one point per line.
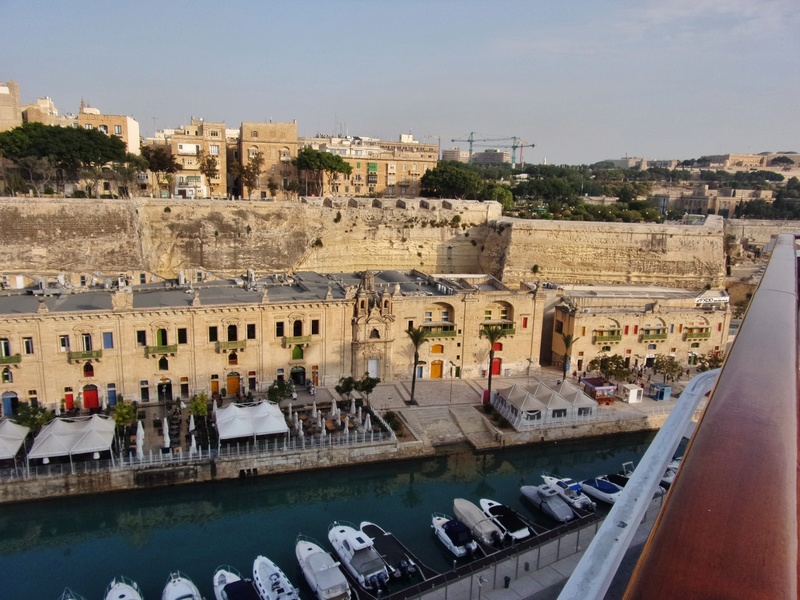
728 528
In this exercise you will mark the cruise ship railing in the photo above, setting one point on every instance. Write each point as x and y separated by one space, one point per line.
728 528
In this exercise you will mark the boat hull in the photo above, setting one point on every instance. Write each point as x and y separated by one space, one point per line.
271 583
321 572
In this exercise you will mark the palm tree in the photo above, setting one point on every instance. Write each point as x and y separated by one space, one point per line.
418 336
493 333
568 340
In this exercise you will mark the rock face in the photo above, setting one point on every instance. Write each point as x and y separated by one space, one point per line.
46 236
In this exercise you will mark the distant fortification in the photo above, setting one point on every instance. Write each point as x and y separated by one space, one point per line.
163 237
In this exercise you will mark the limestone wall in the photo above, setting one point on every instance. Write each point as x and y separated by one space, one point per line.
759 232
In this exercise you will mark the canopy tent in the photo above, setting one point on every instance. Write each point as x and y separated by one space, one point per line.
250 420
11 438
529 406
67 437
576 396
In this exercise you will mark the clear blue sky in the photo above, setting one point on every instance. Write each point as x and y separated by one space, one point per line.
584 80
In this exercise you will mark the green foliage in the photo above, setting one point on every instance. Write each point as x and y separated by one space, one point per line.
345 386
710 360
452 180
498 193
320 164
208 166
610 367
393 421
493 334
251 172
124 413
568 339
34 417
199 405
667 365
161 163
781 160
418 336
280 390
366 385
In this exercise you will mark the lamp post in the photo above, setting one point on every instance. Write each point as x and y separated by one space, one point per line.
452 366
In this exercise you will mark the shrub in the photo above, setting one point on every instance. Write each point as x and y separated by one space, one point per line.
393 421
79 194
338 217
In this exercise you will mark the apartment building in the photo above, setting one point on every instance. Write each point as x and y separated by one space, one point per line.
125 128
278 145
10 107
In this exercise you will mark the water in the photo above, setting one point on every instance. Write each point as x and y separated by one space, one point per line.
84 542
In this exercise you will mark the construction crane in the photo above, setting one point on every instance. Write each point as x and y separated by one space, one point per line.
515 143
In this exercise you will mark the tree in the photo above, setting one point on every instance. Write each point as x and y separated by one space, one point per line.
610 367
710 360
161 163
280 390
124 415
33 417
568 340
251 172
345 386
418 336
493 334
126 172
320 164
199 408
452 180
668 366
209 167
781 161
272 186
498 193
366 385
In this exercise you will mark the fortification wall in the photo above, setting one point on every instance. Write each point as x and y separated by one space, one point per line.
591 252
759 232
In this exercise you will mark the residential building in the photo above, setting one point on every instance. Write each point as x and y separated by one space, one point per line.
278 144
125 128
10 107
45 111
189 143
492 156
704 201
455 155
638 323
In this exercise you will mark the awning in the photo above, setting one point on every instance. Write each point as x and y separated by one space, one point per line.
250 420
68 437
11 437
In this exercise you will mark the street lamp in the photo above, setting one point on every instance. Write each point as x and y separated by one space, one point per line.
452 366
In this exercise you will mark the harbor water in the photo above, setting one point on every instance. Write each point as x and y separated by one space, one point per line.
83 542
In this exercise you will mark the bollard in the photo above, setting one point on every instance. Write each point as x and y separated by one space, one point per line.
506 581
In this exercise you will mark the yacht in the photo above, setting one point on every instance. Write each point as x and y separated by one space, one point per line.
322 573
507 519
570 491
399 560
483 528
602 489
455 536
180 587
271 583
546 499
230 585
358 555
122 588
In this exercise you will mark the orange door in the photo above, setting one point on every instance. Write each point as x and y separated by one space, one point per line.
436 369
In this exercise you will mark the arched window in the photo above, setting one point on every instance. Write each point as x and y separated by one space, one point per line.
374 334
297 353
7 376
163 364
297 328
437 349
88 370
233 333
233 358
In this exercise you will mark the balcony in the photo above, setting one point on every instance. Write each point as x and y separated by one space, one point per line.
85 355
656 336
231 345
296 340
435 331
169 349
605 337
14 359
697 335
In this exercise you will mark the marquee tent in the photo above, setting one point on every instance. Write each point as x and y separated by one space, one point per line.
11 438
526 407
68 437
250 420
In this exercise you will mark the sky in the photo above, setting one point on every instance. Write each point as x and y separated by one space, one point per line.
584 80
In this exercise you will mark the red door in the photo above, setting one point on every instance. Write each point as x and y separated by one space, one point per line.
90 399
497 363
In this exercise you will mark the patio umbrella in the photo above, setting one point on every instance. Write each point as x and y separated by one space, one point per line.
353 406
191 422
314 409
367 423
346 427
104 403
359 413
139 440
290 410
214 406
58 409
333 408
166 433
193 446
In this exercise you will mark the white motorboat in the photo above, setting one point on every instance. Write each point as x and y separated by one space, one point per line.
622 478
507 519
230 585
399 560
322 573
482 527
601 489
358 555
122 588
570 491
180 587
68 594
669 474
271 583
454 534
546 499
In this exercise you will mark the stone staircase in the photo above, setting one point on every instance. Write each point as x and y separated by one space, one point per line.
474 427
434 425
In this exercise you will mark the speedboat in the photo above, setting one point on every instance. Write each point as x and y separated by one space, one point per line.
399 560
68 594
358 555
482 527
601 489
271 582
455 536
322 573
122 588
506 518
180 587
622 478
230 585
546 499
570 491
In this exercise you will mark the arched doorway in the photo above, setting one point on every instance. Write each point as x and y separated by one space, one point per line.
232 386
436 369
497 365
91 398
299 375
164 390
10 404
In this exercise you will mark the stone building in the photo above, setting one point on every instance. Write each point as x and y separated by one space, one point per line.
492 156
44 111
638 323
10 107
125 128
172 339
278 144
704 201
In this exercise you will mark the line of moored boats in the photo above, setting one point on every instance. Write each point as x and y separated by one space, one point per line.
373 558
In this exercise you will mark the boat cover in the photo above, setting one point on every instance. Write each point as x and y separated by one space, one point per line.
241 590
11 438
602 485
458 533
250 420
67 437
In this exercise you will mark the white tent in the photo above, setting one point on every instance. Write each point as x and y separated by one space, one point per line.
577 398
250 420
68 437
11 438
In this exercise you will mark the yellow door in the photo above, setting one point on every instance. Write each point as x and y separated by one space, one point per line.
436 369
233 384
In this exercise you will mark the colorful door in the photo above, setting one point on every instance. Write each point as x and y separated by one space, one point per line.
233 384
214 386
436 369
90 397
497 364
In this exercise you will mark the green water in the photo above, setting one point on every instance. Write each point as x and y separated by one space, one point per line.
84 542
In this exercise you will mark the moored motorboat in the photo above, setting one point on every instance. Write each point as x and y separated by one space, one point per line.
358 555
622 478
601 489
399 560
454 535
180 587
570 491
507 519
270 582
230 585
546 499
483 528
321 572
122 588
670 472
